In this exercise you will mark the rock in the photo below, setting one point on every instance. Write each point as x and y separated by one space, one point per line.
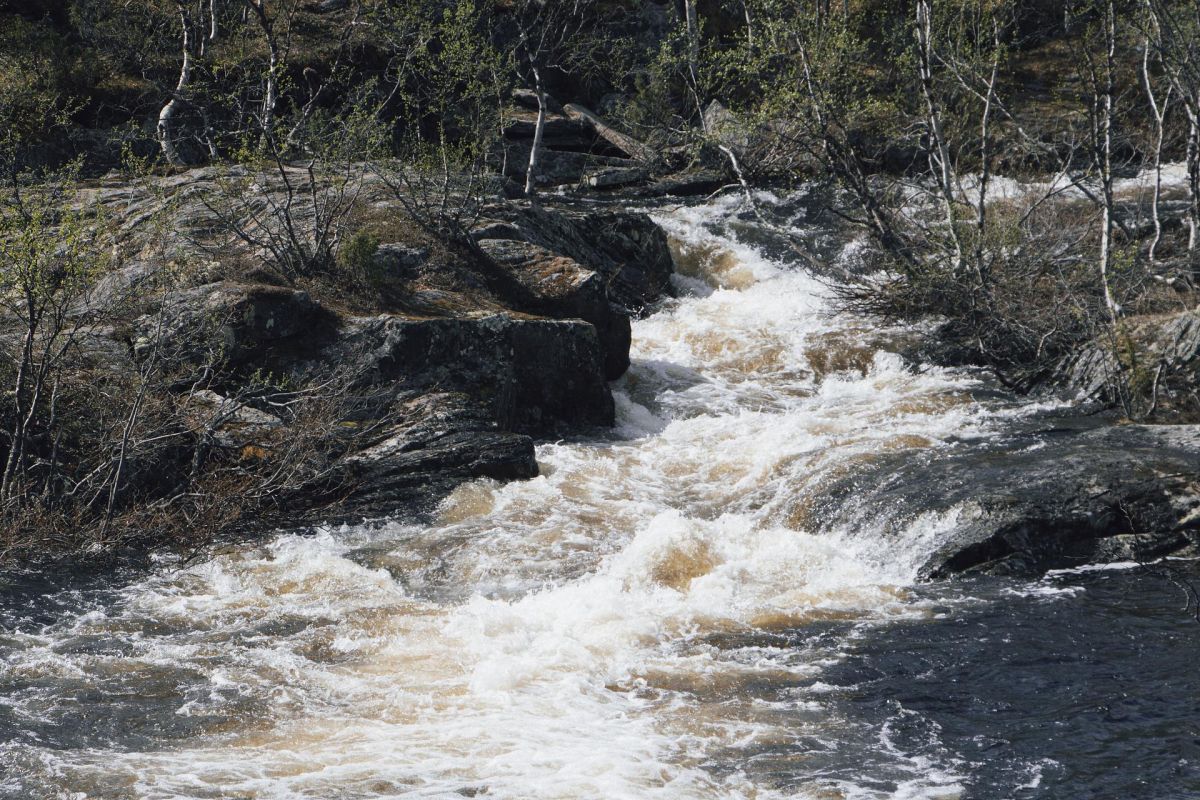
1165 363
528 99
688 184
558 167
486 344
1057 498
613 177
253 324
441 440
627 248
566 289
120 285
399 259
558 131
726 127
232 423
625 143
533 375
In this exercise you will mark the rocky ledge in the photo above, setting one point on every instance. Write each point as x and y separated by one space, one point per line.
1063 496
477 351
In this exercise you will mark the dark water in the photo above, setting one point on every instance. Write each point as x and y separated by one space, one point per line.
1081 685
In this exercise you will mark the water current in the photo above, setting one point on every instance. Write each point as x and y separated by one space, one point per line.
663 613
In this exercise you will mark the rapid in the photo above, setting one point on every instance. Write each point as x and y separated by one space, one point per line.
665 612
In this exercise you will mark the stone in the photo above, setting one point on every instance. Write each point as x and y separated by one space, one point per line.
1167 365
440 440
613 177
1061 497
534 375
252 324
566 289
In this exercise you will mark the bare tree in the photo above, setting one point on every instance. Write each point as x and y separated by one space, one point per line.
166 117
1100 76
549 36
1174 32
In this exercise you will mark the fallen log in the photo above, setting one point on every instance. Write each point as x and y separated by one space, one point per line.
623 142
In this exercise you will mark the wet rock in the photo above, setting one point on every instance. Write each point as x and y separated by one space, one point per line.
441 440
1062 497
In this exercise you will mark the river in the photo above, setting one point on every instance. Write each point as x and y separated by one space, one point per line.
663 613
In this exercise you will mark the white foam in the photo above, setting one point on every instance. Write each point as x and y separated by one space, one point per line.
549 638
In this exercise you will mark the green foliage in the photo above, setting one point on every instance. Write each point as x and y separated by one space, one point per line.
356 256
40 85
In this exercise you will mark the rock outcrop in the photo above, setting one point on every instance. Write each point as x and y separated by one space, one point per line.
479 348
1061 497
1157 356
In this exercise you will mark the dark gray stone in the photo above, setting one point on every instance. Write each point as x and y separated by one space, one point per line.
1058 498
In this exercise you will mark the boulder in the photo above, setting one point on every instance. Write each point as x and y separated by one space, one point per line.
558 167
441 439
1061 497
566 289
528 99
249 324
558 129
626 248
1161 359
612 177
232 423
533 375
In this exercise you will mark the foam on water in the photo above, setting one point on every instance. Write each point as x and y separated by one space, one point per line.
573 636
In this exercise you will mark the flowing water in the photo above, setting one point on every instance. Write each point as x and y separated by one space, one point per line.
664 613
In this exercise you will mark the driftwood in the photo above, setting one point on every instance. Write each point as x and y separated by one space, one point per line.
623 142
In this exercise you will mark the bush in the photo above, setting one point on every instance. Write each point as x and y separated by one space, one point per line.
356 257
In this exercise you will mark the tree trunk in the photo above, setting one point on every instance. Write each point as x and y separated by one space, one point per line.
1105 159
1193 181
1159 110
939 154
539 130
166 117
271 97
